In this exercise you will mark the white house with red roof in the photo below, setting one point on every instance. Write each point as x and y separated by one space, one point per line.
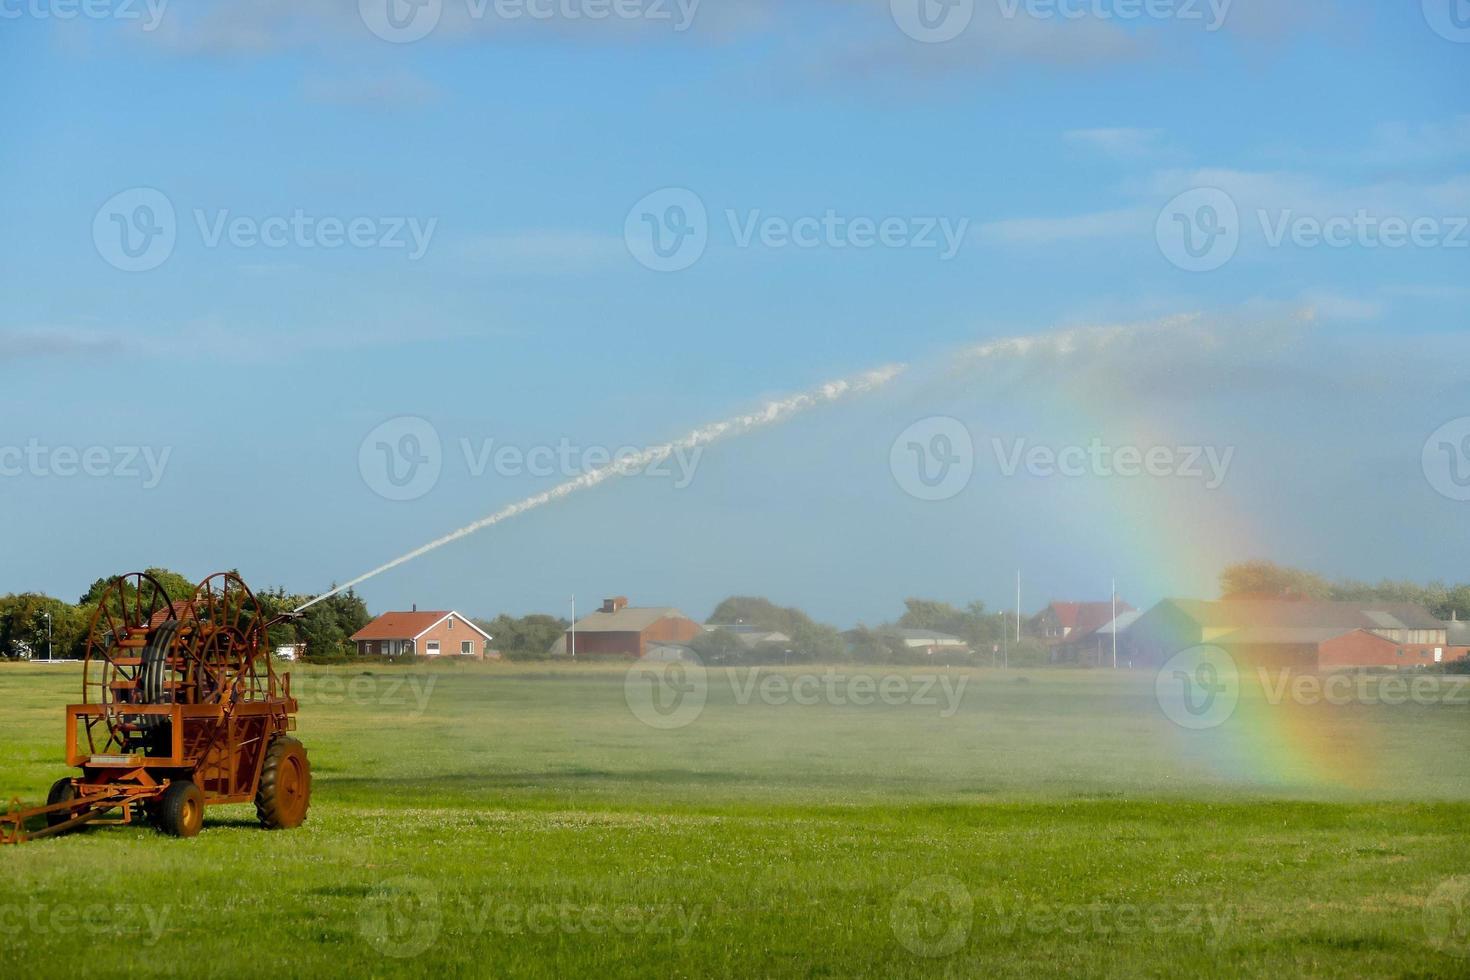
442 633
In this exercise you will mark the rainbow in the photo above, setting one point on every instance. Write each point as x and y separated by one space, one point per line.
1178 535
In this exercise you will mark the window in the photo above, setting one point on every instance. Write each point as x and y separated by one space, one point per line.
467 648
1401 652
451 622
431 648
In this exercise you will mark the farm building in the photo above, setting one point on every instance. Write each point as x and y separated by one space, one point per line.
1304 634
931 642
428 634
751 636
1097 648
1071 629
621 630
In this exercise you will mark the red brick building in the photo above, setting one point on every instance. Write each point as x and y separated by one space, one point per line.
1297 633
620 630
426 634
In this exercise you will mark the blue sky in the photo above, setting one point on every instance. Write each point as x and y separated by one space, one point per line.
518 149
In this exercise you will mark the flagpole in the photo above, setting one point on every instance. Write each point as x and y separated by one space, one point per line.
1115 623
1018 605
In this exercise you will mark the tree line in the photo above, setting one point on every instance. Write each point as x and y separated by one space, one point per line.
324 628
1264 579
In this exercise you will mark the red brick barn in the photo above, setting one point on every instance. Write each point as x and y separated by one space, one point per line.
621 630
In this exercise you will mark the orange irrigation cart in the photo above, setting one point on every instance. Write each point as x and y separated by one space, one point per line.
181 710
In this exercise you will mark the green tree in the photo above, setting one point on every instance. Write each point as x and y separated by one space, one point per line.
23 626
1264 579
525 637
719 647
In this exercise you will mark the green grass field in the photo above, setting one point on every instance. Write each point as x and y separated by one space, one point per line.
523 820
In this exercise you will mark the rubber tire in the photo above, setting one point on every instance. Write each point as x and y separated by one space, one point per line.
181 810
284 793
62 791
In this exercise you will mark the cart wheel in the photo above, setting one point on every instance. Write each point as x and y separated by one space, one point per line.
181 810
285 785
62 791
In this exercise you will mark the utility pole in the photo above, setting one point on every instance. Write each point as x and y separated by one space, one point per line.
48 636
574 627
1114 625
1018 605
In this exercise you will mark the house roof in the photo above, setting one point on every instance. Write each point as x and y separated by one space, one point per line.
1082 619
409 625
1458 633
935 635
1346 616
629 619
1121 624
